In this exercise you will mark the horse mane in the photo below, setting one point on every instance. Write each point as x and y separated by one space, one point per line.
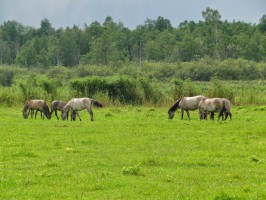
67 107
26 106
175 105
97 104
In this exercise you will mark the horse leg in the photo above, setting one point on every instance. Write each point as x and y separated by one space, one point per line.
91 114
221 115
55 112
36 113
182 114
212 115
188 114
73 116
42 114
31 112
78 116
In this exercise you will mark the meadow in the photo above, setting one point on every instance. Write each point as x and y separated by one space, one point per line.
133 153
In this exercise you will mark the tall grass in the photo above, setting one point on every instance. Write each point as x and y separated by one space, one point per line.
63 84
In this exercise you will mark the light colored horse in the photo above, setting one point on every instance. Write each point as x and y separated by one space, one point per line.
77 104
227 105
38 105
211 105
185 104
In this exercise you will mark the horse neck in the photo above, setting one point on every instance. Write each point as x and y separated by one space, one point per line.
175 106
66 107
25 107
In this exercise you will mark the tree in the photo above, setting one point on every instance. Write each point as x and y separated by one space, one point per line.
262 24
46 28
212 18
12 34
162 24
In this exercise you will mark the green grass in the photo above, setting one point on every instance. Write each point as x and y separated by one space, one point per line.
133 153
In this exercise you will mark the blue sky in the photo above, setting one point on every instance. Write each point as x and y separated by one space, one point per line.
62 13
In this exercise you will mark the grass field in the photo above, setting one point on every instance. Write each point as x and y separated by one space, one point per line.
133 153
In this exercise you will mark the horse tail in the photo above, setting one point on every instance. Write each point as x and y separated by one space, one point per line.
97 104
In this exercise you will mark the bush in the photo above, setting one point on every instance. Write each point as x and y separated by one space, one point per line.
6 77
131 170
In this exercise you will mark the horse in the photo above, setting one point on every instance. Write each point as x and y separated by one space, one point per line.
77 104
211 105
38 105
59 105
185 104
226 111
227 106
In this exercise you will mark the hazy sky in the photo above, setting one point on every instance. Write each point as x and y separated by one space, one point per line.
62 13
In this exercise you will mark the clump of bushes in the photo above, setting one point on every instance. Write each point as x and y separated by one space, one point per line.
124 89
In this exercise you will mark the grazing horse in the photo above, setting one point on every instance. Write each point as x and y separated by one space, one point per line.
211 105
227 106
59 105
185 104
38 105
77 104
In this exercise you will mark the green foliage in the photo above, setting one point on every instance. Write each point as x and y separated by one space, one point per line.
131 170
6 77
111 42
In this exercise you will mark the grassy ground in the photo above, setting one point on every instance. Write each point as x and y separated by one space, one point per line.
133 153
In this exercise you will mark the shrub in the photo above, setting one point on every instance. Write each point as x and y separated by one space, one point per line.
131 170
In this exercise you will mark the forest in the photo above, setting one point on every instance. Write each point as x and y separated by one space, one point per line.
114 60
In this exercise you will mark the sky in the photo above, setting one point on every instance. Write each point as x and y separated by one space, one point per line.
63 13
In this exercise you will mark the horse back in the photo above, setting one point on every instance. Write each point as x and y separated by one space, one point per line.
36 104
191 103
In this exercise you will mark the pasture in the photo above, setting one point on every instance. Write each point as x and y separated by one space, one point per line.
133 153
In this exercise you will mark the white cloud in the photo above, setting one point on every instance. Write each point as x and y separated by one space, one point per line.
63 13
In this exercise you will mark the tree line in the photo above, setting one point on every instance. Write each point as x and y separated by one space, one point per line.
112 43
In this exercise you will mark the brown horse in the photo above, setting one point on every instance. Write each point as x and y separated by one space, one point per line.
37 105
185 104
211 105
59 105
77 104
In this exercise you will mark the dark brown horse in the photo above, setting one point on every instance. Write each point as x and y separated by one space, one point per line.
36 105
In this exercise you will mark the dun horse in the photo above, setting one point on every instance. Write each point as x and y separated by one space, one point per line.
59 105
221 105
77 104
185 104
37 105
211 105
227 106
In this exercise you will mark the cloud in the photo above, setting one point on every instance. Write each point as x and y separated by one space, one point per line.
62 13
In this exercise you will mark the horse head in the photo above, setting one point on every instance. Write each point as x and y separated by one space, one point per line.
25 115
174 107
171 114
46 111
